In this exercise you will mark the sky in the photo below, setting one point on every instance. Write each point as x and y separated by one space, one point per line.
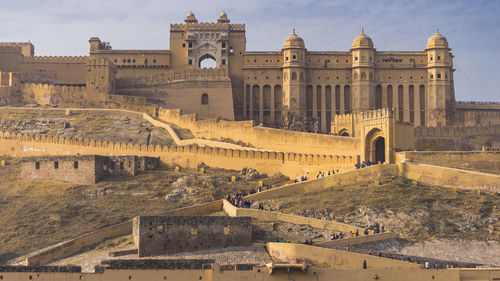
472 27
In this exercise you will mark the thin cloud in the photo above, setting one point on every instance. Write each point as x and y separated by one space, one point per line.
63 27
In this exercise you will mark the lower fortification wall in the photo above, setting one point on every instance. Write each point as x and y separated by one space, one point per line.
450 177
261 137
357 240
78 96
289 164
213 272
329 258
456 138
72 246
486 161
298 220
365 175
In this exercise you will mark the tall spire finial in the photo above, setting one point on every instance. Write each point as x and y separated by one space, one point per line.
362 30
437 30
293 30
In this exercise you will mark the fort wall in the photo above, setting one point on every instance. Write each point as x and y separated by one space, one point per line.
67 95
212 272
365 175
479 160
450 177
357 240
77 169
158 235
456 138
298 220
261 137
269 162
72 246
329 258
204 91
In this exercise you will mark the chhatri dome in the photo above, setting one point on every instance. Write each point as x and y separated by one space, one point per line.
223 18
190 18
437 41
362 41
294 41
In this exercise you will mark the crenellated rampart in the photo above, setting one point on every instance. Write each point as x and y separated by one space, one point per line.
10 49
207 26
56 59
457 137
458 131
271 162
262 137
168 77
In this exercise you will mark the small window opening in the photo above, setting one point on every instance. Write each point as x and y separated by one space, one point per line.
355 58
439 75
183 45
37 165
121 165
294 57
75 164
190 44
432 76
223 61
56 165
431 58
190 62
223 44
128 60
204 99
227 229
194 231
439 57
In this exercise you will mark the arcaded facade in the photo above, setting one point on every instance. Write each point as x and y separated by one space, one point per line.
292 88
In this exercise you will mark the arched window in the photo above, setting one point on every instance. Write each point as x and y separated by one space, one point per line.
204 99
363 75
294 75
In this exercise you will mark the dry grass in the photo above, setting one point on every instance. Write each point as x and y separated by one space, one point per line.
417 212
36 214
104 126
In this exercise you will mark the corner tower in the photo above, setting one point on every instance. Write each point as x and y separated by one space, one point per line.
294 76
363 73
440 96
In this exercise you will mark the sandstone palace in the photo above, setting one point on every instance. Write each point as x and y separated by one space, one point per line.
294 89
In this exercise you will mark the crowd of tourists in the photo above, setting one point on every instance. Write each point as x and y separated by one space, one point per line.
320 174
365 164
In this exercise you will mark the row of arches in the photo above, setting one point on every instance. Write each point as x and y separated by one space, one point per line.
263 103
323 102
408 100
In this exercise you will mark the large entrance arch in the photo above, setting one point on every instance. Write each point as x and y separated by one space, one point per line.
207 61
375 146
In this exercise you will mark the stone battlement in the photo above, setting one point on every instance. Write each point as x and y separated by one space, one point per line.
56 59
194 74
206 26
10 49
54 88
157 264
457 131
348 118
